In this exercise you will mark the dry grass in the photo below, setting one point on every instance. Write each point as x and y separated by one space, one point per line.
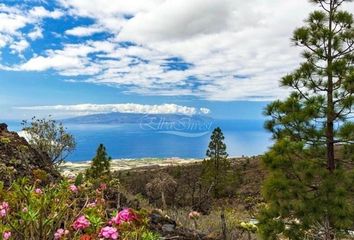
211 224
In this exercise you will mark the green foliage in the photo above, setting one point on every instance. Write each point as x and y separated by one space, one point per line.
36 215
5 140
150 236
216 168
33 212
79 179
309 188
303 197
100 166
49 137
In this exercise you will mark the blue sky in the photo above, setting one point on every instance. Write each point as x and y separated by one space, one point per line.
225 56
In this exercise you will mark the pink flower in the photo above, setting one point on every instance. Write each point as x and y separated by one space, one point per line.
38 191
60 233
126 215
194 215
73 188
103 186
91 205
6 235
81 223
4 209
109 233
24 209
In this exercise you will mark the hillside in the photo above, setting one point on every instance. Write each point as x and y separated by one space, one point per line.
18 159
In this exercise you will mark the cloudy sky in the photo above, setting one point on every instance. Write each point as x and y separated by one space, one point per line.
221 57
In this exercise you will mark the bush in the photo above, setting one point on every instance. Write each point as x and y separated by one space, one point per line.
66 211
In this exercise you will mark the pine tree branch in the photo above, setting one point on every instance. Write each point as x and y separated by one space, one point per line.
346 51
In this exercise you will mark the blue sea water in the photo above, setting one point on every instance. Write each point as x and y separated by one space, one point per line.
242 137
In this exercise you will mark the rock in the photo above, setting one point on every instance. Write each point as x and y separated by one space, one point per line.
18 159
168 228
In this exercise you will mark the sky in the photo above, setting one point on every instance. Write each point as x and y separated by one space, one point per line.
223 58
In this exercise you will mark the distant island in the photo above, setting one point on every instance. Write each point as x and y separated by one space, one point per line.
120 118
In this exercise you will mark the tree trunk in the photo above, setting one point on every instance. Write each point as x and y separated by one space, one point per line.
328 233
163 199
330 104
223 223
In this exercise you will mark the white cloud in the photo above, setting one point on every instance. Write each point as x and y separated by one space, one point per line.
19 46
13 19
83 109
205 110
109 14
44 63
72 60
233 49
36 33
221 39
176 20
41 12
84 31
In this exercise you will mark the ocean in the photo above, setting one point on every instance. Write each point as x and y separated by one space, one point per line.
134 141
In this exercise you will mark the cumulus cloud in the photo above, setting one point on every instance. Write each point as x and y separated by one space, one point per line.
14 18
72 60
41 12
19 46
222 50
84 31
83 109
36 33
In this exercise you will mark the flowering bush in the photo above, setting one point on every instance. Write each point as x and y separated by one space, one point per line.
81 223
193 215
109 233
66 211
126 215
4 209
60 233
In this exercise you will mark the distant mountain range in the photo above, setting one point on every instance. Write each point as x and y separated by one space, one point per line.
120 118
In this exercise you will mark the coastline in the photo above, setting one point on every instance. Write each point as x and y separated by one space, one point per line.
73 168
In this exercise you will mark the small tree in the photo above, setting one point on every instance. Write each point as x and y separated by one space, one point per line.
100 165
216 166
49 137
160 185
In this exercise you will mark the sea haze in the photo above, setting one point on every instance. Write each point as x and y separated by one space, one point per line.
160 136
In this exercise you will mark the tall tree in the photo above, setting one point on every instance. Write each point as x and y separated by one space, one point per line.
216 166
49 137
309 190
100 165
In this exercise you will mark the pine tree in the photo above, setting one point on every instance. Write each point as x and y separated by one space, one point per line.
309 188
215 168
100 165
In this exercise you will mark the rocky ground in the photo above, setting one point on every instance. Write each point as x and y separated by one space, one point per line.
19 159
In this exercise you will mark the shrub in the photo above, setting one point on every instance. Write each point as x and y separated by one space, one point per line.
5 140
66 211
